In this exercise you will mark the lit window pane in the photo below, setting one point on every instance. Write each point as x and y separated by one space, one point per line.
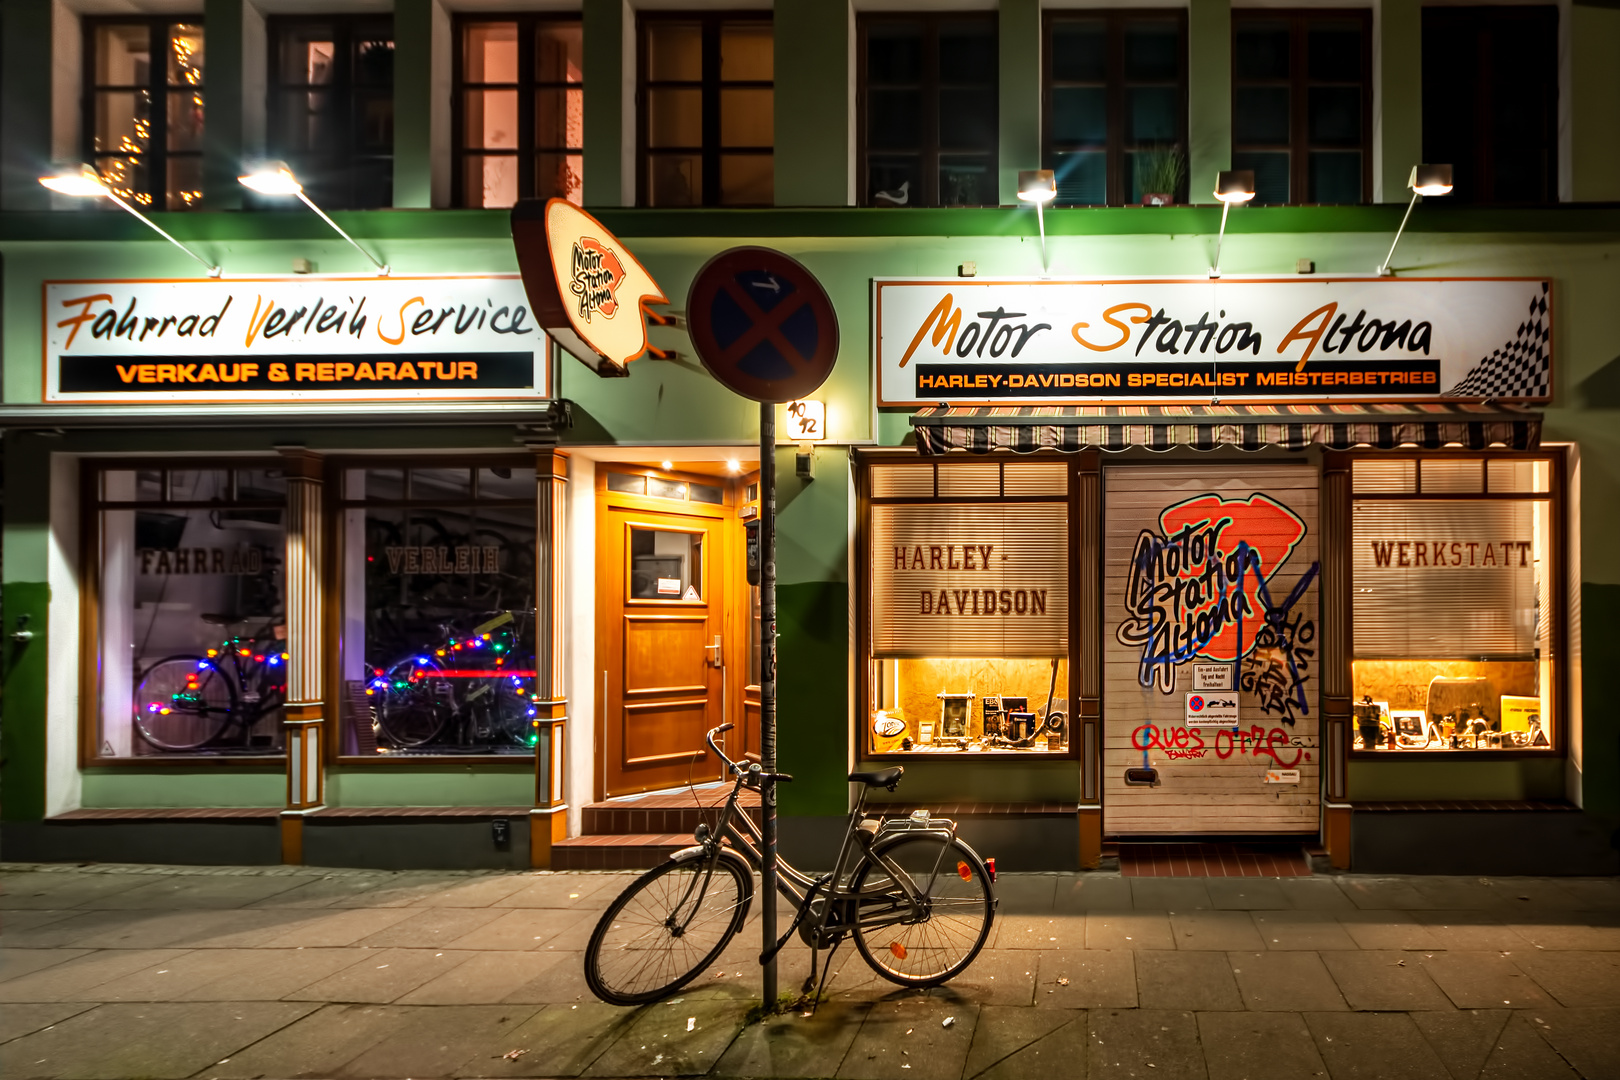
490 54
746 118
123 121
560 176
185 55
674 117
490 180
374 64
747 53
675 180
559 53
559 119
747 180
184 183
185 119
491 119
675 52
123 55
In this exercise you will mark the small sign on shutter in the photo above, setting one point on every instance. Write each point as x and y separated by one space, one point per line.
1212 710
1282 776
669 586
1212 676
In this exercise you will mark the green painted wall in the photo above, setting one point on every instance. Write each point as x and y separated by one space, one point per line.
1020 102
1594 42
22 706
1209 95
1376 781
118 788
812 103
413 103
25 132
223 153
1399 123
473 785
605 71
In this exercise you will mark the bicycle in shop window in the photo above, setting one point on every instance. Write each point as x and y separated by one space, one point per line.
917 901
213 701
471 691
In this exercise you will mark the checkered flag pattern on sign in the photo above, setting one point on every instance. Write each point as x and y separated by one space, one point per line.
1519 369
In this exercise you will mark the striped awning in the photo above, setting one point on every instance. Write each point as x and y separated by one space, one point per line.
1071 428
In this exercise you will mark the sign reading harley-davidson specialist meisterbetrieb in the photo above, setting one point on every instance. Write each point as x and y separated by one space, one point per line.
1367 339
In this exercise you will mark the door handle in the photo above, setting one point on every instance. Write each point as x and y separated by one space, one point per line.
714 659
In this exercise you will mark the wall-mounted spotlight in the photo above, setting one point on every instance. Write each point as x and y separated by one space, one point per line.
1231 186
1425 180
83 182
1038 186
275 178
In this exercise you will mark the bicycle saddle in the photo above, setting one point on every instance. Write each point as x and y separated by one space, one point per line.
886 778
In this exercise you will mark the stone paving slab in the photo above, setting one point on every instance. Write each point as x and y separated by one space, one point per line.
285 972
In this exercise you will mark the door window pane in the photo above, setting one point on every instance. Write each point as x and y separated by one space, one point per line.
747 180
747 52
665 565
746 118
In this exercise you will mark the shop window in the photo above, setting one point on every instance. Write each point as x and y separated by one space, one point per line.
438 609
968 616
1455 605
186 609
706 125
1116 106
332 106
929 125
1302 104
519 109
143 103
1490 100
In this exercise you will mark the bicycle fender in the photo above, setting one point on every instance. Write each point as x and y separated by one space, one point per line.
686 854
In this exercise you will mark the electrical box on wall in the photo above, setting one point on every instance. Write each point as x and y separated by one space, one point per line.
804 465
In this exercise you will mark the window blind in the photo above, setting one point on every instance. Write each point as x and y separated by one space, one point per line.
970 580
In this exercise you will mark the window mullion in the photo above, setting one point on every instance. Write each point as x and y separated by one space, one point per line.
711 110
929 92
1299 190
527 28
157 82
1117 186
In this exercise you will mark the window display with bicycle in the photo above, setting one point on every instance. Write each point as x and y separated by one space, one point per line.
438 609
187 607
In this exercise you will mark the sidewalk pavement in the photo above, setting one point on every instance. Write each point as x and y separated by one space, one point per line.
144 971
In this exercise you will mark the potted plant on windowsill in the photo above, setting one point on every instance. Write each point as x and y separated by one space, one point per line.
1161 172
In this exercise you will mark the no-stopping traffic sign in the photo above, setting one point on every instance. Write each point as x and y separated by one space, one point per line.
762 324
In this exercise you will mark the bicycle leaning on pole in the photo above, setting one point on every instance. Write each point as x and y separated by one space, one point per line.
918 902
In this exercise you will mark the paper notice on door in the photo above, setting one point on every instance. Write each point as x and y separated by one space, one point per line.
691 593
669 586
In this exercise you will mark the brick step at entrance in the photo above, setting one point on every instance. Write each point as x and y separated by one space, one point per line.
640 831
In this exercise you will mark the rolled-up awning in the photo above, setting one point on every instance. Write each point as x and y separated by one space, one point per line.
1072 428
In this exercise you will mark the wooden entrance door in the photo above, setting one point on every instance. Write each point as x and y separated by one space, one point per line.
664 636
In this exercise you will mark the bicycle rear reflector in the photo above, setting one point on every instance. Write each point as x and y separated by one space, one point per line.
898 949
964 871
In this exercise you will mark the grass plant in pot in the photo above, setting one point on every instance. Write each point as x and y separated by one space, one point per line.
1161 172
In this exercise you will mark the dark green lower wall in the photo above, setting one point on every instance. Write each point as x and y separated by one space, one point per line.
1600 736
812 697
22 701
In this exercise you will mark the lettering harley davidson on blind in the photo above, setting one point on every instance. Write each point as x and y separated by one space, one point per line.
969 580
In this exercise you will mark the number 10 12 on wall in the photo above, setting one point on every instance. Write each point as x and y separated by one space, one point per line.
805 421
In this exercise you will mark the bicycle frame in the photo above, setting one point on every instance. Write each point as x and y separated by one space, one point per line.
859 846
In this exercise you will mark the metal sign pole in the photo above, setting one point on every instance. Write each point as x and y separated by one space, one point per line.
767 684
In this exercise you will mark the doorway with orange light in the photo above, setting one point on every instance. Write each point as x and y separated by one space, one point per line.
676 623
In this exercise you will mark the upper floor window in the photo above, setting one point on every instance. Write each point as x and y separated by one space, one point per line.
706 122
1302 104
1490 100
332 106
519 119
1116 106
143 105
928 110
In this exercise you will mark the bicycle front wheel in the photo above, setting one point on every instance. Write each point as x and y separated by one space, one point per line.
959 909
183 702
666 928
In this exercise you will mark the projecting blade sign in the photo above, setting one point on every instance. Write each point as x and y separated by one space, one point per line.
587 290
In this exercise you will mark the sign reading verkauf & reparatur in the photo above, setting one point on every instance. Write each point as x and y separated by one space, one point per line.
995 342
297 339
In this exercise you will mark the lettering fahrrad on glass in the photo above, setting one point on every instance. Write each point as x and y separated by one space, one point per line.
918 901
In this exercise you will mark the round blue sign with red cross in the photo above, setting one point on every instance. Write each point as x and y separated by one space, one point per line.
1195 704
762 324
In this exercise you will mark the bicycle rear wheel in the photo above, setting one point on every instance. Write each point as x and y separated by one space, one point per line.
183 702
960 909
666 928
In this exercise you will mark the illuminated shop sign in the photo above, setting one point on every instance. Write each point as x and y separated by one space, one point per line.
297 339
1034 342
588 290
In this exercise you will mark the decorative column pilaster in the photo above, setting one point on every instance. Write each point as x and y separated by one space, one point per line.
1085 663
1336 635
548 820
304 721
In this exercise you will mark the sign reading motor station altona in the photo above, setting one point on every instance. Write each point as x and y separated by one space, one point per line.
293 339
1293 339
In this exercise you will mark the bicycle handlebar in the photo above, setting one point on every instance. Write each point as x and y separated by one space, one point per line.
736 769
